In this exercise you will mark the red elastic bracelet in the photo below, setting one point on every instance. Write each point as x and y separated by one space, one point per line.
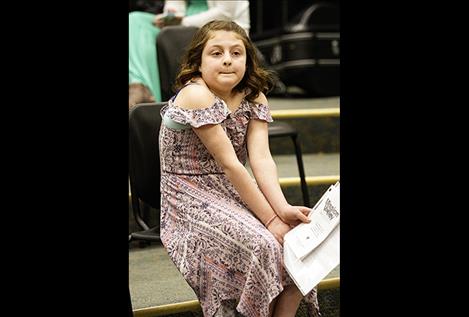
270 221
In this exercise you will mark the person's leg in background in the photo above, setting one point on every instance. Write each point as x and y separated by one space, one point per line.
144 81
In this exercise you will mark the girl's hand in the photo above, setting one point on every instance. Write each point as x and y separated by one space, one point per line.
294 215
162 22
159 22
278 228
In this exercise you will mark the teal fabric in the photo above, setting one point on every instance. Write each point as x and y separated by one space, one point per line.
196 6
143 63
143 66
170 123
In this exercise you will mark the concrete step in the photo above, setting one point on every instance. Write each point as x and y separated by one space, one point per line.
316 119
276 103
157 288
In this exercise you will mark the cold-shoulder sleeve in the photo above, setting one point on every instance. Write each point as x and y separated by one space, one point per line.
214 114
261 112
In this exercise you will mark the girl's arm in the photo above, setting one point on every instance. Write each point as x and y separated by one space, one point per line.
265 172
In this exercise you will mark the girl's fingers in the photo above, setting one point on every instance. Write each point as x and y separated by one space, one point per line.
305 210
301 216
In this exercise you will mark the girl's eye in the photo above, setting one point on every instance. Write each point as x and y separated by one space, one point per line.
216 53
236 53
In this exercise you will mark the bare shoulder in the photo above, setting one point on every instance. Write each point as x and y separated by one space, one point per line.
194 96
261 99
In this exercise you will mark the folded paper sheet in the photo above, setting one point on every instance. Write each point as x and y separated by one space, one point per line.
312 250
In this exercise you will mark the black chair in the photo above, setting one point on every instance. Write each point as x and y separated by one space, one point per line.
283 129
144 167
171 43
144 170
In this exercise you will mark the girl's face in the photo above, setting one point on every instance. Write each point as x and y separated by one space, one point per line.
223 60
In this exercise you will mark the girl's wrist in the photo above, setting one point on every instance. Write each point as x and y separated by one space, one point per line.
269 222
280 210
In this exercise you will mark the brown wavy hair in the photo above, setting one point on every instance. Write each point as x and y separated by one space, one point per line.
256 78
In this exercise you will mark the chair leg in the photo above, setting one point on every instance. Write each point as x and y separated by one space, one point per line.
131 312
301 170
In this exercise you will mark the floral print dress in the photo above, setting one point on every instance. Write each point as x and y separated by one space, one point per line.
231 261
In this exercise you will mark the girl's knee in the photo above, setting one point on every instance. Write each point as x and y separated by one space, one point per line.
269 244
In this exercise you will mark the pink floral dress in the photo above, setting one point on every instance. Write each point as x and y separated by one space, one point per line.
231 261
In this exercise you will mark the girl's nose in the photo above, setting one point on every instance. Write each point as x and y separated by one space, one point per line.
227 61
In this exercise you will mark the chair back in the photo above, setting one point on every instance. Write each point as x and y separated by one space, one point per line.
144 162
171 44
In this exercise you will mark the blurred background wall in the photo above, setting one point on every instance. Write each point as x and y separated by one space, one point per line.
266 15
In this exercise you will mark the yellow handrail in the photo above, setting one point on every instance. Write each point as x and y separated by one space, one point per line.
310 180
305 113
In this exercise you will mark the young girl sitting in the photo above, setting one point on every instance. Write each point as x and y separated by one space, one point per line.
223 231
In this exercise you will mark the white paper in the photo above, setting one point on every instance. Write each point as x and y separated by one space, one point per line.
314 268
311 251
324 218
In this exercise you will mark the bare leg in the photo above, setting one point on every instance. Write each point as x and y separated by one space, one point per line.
288 302
272 306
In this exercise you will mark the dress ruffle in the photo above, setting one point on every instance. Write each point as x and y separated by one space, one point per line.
214 114
261 112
